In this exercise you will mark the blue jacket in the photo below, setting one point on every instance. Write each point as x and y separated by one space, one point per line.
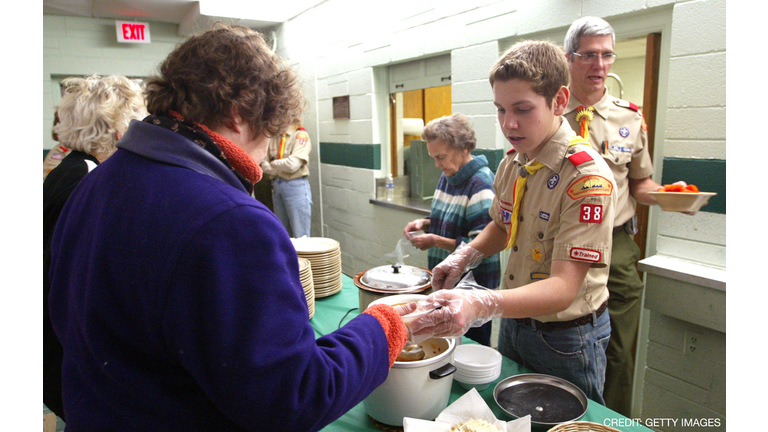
177 298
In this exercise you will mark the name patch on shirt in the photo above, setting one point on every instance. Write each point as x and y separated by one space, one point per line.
582 254
590 185
591 213
622 149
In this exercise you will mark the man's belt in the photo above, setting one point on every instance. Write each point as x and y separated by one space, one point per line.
562 325
630 226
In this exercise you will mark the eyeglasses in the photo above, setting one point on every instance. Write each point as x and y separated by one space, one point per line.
590 58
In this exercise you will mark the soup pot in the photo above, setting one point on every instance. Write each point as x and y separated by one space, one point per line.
389 280
417 389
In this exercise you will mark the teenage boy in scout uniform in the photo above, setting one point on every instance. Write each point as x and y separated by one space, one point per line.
287 165
617 130
554 209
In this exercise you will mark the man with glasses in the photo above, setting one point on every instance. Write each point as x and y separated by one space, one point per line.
616 129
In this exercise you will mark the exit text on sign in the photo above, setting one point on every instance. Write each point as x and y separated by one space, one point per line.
132 32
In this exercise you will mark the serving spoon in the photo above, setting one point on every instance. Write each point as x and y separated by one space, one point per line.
413 351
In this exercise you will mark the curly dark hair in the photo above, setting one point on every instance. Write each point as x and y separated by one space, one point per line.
227 71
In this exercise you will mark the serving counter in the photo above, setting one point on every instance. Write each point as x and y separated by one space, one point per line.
335 310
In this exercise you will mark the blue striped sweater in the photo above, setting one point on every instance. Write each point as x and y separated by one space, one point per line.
460 211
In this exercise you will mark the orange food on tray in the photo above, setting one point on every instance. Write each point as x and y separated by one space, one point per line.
679 188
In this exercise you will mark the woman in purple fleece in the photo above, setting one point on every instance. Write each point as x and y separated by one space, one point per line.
175 294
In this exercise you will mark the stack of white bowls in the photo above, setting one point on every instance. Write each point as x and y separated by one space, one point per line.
477 366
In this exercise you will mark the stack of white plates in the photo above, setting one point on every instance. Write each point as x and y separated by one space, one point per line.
305 273
324 254
476 365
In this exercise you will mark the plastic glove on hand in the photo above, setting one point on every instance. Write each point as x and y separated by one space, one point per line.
461 310
405 309
446 274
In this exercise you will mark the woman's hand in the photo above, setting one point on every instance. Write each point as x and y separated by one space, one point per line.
415 225
424 241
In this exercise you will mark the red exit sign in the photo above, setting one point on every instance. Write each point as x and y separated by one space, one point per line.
132 32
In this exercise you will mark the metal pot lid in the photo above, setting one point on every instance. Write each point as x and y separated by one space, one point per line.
396 277
548 399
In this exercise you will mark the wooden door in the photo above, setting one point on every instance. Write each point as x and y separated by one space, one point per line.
650 101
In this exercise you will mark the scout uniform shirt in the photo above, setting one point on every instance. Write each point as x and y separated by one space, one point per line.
293 145
619 133
566 213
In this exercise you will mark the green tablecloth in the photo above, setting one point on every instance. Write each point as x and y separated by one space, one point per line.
333 311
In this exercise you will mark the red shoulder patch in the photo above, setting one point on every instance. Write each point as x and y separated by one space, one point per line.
627 104
579 158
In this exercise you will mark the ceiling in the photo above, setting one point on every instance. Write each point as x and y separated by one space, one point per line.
189 15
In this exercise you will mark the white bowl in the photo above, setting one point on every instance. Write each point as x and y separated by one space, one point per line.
478 378
493 374
478 383
476 358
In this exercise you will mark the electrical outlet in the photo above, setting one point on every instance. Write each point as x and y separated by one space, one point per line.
692 341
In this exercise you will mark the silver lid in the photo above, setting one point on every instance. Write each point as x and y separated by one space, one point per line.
396 277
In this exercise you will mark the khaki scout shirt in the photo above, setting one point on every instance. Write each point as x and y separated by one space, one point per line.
618 132
566 213
294 143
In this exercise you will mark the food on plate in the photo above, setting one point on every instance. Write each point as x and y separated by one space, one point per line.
474 425
679 188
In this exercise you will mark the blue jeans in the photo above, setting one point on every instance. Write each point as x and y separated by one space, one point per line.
576 354
292 200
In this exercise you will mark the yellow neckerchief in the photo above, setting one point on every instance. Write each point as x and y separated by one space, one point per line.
526 171
281 147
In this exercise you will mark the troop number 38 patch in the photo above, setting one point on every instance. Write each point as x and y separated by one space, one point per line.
591 213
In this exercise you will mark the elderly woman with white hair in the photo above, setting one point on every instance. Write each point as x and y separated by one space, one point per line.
94 113
463 196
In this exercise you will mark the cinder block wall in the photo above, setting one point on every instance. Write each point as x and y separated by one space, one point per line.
695 145
685 378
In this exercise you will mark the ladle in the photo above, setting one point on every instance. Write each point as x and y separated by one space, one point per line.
413 351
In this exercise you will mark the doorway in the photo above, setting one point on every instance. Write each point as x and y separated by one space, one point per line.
634 77
409 110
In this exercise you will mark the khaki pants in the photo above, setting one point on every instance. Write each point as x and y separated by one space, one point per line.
626 290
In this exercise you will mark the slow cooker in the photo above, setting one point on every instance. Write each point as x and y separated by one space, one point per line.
388 280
